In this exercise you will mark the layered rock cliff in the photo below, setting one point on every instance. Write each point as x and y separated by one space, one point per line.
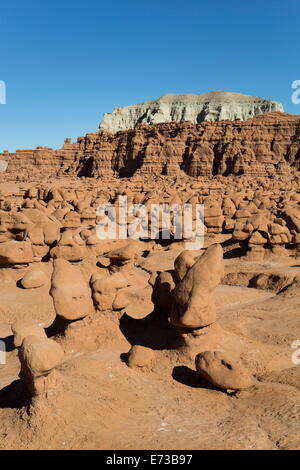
213 106
262 146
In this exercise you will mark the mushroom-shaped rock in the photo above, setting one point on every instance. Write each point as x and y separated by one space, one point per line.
115 281
66 239
140 356
40 355
70 292
223 372
255 253
193 305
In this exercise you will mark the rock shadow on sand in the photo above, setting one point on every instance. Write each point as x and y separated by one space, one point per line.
154 331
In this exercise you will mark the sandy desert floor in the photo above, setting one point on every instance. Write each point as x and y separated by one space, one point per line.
90 387
101 403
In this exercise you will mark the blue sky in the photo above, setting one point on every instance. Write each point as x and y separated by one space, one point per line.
66 62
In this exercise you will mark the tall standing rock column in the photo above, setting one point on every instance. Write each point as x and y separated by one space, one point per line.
193 309
193 305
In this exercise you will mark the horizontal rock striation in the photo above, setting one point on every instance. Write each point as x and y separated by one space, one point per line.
213 106
262 146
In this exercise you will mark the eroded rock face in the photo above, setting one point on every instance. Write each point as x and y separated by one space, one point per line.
264 146
193 305
213 106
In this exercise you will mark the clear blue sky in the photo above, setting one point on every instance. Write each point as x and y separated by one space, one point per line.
66 62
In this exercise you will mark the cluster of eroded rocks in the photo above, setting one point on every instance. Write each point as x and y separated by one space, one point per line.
186 294
48 222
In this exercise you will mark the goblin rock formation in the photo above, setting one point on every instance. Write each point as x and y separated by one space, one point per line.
213 106
193 305
70 293
42 221
193 310
263 146
39 357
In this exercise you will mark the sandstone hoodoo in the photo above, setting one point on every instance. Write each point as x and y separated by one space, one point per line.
193 306
39 357
213 106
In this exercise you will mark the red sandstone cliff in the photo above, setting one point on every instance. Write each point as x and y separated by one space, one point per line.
261 146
